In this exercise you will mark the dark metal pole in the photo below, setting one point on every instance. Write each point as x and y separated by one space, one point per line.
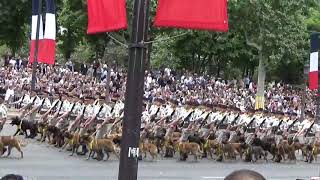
318 103
128 168
35 61
304 94
315 44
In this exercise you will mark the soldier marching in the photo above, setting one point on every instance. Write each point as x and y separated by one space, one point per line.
218 129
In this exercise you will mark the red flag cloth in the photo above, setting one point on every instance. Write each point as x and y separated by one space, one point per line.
314 61
106 16
193 14
47 38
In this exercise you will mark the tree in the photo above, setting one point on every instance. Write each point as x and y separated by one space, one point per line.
313 21
275 29
14 17
72 22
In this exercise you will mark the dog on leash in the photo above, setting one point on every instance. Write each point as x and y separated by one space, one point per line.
99 146
23 126
10 142
73 140
150 148
192 148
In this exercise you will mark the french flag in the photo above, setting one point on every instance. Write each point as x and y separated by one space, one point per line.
47 39
313 74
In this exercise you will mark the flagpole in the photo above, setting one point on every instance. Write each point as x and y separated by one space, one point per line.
317 119
128 168
35 61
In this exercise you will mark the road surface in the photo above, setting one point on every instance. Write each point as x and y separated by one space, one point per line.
43 162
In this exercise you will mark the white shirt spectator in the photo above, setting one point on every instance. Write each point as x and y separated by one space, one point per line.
12 62
9 93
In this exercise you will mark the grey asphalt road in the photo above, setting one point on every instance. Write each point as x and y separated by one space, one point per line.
43 162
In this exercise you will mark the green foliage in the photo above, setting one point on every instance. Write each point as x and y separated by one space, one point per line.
14 17
4 51
313 20
279 28
82 52
72 21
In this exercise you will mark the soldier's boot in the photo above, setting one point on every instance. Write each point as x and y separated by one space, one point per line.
204 155
219 158
84 150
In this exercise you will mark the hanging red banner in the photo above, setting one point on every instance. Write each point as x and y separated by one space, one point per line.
106 16
193 14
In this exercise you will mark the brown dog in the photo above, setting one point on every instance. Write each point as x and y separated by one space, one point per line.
186 148
209 147
73 140
10 142
150 148
100 146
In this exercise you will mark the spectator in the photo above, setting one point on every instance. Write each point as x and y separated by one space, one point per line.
12 177
244 175
90 71
9 94
70 65
247 82
83 68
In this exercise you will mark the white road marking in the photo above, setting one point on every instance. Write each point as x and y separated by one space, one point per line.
212 177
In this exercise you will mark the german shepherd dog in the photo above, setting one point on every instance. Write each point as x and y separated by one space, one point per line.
192 148
23 126
73 140
10 142
99 146
57 135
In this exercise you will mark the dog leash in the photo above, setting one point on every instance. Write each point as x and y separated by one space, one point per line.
19 126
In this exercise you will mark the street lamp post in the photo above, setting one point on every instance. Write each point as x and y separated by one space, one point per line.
128 168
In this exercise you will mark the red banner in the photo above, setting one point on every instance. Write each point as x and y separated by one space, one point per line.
106 16
193 14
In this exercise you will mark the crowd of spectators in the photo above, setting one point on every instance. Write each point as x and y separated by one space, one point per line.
90 80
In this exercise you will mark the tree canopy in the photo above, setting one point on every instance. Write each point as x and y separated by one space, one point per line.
279 30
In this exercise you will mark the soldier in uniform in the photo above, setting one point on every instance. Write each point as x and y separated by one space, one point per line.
304 126
279 126
46 104
3 113
38 102
145 116
88 112
250 123
186 131
55 109
105 127
68 109
57 105
221 125
154 109
79 113
293 126
308 137
27 102
23 101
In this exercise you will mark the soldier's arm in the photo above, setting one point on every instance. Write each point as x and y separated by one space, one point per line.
176 121
64 115
17 102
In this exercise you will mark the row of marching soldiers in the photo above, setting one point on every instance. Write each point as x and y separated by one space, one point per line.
66 118
200 129
167 128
